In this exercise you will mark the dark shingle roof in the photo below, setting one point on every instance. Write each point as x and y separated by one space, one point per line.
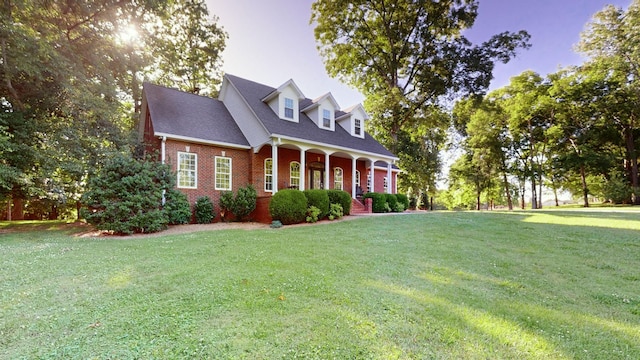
305 129
188 115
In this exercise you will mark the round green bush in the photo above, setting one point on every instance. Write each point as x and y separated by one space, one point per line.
403 199
177 208
340 197
320 199
289 206
379 204
203 210
392 200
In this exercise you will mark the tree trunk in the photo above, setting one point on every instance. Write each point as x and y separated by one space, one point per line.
9 202
555 194
540 191
506 185
585 191
631 153
534 196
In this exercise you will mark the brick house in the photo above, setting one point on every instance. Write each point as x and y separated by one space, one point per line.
273 138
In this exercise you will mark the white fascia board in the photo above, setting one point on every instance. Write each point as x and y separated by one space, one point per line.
373 156
202 141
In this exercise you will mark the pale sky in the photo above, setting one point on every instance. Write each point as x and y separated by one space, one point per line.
271 41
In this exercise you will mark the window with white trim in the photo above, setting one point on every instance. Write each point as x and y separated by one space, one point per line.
369 182
187 170
357 127
357 177
337 178
268 175
294 175
386 185
326 118
288 108
223 173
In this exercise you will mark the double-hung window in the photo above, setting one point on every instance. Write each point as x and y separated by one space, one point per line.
223 173
288 108
187 170
337 178
268 175
357 127
326 118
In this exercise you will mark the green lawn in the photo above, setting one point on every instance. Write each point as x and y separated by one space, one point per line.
521 285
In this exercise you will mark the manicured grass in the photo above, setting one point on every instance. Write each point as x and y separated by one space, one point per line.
521 285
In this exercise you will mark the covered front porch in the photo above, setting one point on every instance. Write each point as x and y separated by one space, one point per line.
295 165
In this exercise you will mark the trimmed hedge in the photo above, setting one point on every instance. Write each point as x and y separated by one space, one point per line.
342 198
320 199
177 207
203 210
379 202
404 200
392 201
289 206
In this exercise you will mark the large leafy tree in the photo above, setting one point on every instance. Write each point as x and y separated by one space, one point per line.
612 44
406 56
70 84
187 45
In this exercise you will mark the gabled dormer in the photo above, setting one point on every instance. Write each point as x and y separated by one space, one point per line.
323 111
285 101
352 119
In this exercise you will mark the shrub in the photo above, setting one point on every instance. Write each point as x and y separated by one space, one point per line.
320 199
289 206
312 214
413 202
399 207
177 207
226 205
617 189
392 200
335 211
203 210
126 195
404 200
244 202
340 197
240 205
379 204
424 201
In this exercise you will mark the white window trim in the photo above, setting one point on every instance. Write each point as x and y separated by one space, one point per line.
341 182
357 177
291 177
322 119
386 185
215 173
284 109
361 134
196 170
268 175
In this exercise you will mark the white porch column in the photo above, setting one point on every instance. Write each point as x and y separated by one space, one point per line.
372 172
389 182
353 178
303 168
326 171
274 162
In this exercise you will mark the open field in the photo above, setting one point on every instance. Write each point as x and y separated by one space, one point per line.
445 285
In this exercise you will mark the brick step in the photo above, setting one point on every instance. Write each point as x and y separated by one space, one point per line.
357 207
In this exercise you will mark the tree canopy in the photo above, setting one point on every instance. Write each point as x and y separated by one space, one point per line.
406 57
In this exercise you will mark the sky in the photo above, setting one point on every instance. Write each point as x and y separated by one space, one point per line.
272 41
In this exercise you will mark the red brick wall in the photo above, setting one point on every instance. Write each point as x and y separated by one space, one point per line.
240 168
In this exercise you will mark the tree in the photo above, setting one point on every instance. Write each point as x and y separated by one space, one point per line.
406 56
187 45
612 44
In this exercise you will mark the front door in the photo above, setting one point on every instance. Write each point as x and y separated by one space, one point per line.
316 179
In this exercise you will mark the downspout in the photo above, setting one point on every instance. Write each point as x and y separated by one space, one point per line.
163 157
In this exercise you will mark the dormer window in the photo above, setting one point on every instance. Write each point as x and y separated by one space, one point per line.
357 127
288 108
326 118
